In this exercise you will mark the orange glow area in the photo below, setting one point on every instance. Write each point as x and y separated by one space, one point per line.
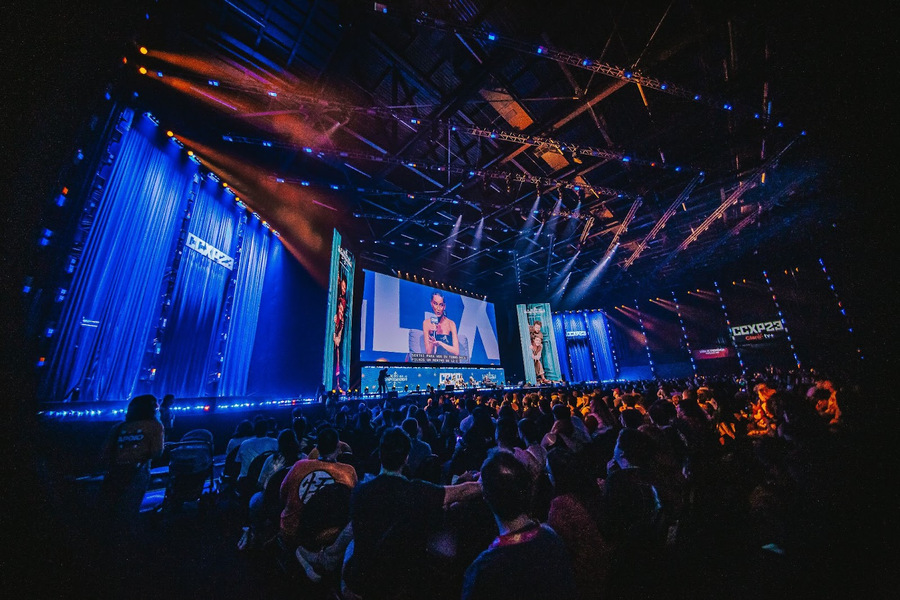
124 60
169 133
65 191
142 71
291 210
143 50
190 152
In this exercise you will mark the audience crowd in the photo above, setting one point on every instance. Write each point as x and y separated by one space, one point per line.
634 490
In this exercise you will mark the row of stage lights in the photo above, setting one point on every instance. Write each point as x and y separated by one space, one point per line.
195 408
143 71
212 176
414 121
444 286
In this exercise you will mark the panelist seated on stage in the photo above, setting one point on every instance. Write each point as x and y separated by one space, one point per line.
417 346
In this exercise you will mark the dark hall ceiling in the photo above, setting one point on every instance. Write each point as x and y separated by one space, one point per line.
513 149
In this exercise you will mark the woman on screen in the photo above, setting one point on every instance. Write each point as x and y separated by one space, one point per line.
339 318
537 351
439 330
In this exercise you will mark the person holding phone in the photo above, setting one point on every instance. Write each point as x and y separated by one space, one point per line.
439 330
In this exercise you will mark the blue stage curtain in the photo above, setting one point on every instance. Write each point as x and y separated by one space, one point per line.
112 311
599 338
579 350
244 316
189 350
559 333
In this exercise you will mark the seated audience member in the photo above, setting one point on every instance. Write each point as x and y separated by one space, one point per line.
167 416
307 478
633 522
287 454
531 434
825 396
419 450
527 560
427 432
129 449
243 431
343 448
363 438
762 413
253 447
301 429
631 418
508 441
472 447
631 502
467 419
564 432
575 516
392 518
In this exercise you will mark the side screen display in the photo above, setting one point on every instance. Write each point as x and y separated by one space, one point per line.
337 329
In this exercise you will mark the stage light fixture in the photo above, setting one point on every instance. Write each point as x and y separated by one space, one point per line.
142 71
170 133
143 50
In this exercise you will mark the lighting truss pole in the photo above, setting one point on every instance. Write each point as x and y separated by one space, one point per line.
781 318
550 143
687 343
737 350
840 305
750 182
622 228
612 346
644 333
670 212
518 276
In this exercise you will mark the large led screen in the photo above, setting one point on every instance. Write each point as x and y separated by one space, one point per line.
338 326
404 321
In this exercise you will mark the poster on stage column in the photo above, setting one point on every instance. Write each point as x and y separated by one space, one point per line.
335 372
538 346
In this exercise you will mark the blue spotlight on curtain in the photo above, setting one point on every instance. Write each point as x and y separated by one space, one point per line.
559 334
579 349
115 299
189 348
599 339
241 330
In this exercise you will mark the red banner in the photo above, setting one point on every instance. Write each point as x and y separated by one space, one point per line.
707 353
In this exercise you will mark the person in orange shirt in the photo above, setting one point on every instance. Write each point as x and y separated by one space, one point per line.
306 479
